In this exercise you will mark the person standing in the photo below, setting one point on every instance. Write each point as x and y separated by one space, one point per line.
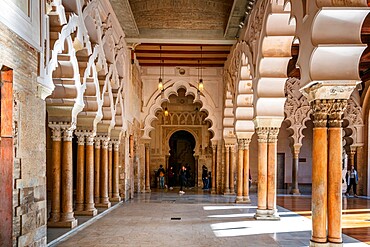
205 177
352 180
161 174
182 176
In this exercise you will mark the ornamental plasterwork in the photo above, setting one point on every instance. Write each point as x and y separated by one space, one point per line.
297 109
353 112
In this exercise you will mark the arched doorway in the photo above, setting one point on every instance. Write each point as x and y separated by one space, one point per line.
182 145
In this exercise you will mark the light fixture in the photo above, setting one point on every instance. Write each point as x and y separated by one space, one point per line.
200 84
160 80
165 111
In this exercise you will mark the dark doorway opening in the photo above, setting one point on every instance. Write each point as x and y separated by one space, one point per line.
182 145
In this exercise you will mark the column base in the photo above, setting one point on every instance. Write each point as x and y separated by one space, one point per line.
227 192
295 192
213 191
331 244
246 199
147 191
86 213
63 224
103 205
316 244
266 214
116 199
239 199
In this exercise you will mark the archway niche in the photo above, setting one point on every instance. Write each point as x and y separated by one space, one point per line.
182 145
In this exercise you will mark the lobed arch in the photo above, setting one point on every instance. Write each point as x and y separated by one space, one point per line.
155 102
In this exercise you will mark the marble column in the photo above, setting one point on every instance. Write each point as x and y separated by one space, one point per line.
214 153
80 176
56 174
246 169
110 168
115 185
296 150
232 168
352 157
97 171
147 168
89 177
227 170
240 165
67 216
271 174
104 198
262 134
335 171
319 172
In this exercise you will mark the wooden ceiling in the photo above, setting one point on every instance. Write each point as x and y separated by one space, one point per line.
187 55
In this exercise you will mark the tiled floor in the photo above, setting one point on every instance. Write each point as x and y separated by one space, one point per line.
165 218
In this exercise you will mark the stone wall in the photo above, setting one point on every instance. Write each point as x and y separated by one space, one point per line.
29 196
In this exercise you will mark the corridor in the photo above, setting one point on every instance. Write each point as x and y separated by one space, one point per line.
165 218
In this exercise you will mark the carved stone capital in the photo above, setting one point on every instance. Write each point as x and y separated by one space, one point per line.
262 133
320 109
97 142
90 140
105 143
67 135
116 146
243 143
56 133
273 134
336 111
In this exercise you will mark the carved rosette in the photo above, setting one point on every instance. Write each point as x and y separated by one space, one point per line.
273 134
67 135
336 111
262 133
320 109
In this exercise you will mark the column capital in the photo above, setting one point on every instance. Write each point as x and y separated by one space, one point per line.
110 146
97 142
243 143
320 109
67 135
147 145
56 133
336 111
90 140
273 134
105 142
262 133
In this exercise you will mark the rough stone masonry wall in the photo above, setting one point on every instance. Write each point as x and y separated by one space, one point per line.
29 195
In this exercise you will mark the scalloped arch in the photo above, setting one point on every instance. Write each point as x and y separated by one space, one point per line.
157 99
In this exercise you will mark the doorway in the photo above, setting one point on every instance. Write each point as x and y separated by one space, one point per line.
182 145
280 171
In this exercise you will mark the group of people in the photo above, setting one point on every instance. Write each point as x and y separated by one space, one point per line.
183 175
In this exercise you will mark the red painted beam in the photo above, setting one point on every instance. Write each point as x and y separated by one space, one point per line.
6 158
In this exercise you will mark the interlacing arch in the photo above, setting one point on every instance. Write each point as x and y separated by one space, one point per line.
88 80
155 104
273 30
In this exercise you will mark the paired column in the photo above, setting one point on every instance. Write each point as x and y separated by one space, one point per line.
327 172
97 171
227 170
295 166
104 197
115 185
85 175
147 168
110 169
243 172
267 152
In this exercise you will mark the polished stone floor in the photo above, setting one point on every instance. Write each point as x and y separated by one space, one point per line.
165 218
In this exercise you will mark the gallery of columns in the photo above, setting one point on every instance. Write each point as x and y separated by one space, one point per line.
286 112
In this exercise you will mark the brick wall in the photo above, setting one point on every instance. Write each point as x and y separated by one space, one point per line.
29 196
